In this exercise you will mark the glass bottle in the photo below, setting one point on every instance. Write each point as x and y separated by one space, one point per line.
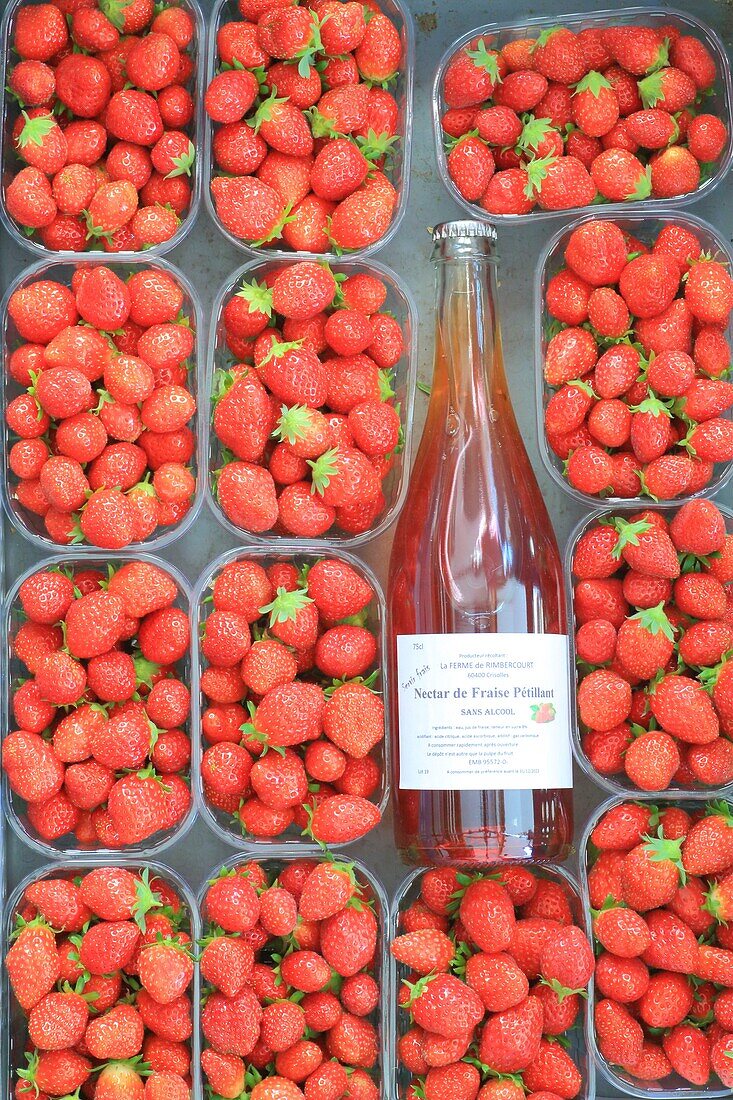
480 677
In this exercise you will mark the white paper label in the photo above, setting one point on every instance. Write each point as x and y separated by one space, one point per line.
484 712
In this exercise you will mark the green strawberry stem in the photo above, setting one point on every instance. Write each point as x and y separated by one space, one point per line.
184 163
376 146
561 991
655 406
285 605
293 423
536 172
306 57
655 621
592 82
35 129
651 90
279 348
323 469
277 230
482 59
258 296
628 534
265 112
659 849
534 132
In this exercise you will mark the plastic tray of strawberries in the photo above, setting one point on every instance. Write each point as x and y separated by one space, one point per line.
535 185
656 885
72 934
136 181
366 372
112 774
255 664
505 908
256 197
636 728
333 963
42 326
696 345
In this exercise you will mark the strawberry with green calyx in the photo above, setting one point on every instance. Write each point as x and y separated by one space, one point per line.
257 296
538 137
32 963
306 56
471 76
286 607
652 872
329 887
56 1071
682 707
719 899
651 428
645 641
621 177
671 88
485 60
646 548
306 430
344 478
595 106
41 143
293 373
536 173
183 163
709 843
444 1005
376 147
322 126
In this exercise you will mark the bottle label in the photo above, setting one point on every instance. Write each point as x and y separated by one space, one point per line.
484 712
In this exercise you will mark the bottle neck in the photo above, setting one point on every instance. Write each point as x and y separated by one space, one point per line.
468 352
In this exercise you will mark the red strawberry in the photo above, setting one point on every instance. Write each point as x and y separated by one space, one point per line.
342 818
510 1040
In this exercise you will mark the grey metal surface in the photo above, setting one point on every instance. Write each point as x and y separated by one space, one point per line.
208 258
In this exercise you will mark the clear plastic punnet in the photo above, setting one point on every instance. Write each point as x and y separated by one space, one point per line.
401 304
399 170
645 226
62 270
673 1087
580 1036
11 669
224 824
499 34
619 785
14 1033
11 164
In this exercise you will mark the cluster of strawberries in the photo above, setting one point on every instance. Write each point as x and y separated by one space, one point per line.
100 752
493 969
104 91
638 356
654 639
294 729
291 996
661 888
305 124
104 363
101 965
569 118
306 419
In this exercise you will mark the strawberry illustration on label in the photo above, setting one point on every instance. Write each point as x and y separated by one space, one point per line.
543 712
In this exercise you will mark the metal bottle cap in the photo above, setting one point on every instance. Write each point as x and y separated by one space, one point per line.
464 227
